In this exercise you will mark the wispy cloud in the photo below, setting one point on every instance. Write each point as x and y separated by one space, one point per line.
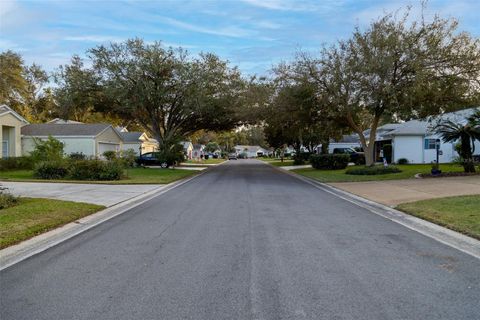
93 38
229 31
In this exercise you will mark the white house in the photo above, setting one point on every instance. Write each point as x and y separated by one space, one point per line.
187 149
90 139
415 140
139 142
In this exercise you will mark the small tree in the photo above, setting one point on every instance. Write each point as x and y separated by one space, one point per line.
47 150
466 133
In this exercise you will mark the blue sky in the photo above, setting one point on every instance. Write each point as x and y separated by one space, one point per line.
252 34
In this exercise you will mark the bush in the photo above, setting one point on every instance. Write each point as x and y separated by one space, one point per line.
110 155
47 150
371 171
77 156
330 161
96 170
16 163
50 170
402 161
301 158
128 157
6 199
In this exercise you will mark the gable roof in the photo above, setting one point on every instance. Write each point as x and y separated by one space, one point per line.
71 129
132 137
4 109
62 121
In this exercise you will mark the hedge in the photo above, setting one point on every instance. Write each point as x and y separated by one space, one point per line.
51 170
96 170
330 161
16 163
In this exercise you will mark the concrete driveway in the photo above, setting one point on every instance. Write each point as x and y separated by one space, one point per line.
394 192
102 194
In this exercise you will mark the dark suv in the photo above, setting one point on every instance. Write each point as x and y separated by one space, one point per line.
355 156
154 159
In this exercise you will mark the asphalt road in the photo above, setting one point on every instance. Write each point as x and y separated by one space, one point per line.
245 241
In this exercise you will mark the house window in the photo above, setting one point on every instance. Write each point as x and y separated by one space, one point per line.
430 143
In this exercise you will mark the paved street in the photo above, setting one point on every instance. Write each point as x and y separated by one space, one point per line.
245 241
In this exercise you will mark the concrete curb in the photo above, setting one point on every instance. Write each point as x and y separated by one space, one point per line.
28 248
446 236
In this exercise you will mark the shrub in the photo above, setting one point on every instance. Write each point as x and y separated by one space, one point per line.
96 170
330 161
402 161
301 158
47 150
77 156
51 170
16 163
374 170
128 157
110 155
6 199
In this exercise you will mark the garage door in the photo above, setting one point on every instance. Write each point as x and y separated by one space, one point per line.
102 147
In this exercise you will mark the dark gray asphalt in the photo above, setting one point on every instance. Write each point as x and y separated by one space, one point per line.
245 241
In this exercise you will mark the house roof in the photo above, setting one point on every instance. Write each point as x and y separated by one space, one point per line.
4 109
131 136
71 129
426 126
62 121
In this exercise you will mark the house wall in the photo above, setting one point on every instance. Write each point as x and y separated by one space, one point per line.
408 147
85 145
10 126
134 146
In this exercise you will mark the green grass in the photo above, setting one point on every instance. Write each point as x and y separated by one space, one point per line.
277 162
408 171
134 176
32 216
461 213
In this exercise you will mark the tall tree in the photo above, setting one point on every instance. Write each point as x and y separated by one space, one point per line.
396 70
170 94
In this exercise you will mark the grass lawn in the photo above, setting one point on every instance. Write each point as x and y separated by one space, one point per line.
32 216
408 171
134 176
277 162
461 214
208 161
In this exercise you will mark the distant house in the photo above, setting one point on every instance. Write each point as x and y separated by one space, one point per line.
139 142
251 151
90 139
415 140
62 121
10 132
198 151
187 149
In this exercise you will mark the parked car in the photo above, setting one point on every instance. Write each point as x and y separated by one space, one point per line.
232 156
355 156
154 159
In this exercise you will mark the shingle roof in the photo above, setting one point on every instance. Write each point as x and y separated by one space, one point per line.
131 136
62 121
71 129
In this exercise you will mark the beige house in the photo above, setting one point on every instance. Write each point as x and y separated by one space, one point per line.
139 142
90 139
10 132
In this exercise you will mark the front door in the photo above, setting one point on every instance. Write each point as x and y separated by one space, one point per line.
5 151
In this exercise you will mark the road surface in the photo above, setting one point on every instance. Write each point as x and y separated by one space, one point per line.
245 241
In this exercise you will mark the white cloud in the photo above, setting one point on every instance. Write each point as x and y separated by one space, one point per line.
230 31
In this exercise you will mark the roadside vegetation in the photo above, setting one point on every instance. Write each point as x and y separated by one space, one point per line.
29 217
408 171
208 161
461 213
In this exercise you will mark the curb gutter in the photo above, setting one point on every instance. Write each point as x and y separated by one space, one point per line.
446 236
23 250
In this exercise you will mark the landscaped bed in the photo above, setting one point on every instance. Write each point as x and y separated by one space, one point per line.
408 171
461 213
133 176
30 217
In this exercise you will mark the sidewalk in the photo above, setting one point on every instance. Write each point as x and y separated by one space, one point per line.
394 192
101 194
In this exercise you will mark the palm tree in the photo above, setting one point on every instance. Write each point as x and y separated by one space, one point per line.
466 133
